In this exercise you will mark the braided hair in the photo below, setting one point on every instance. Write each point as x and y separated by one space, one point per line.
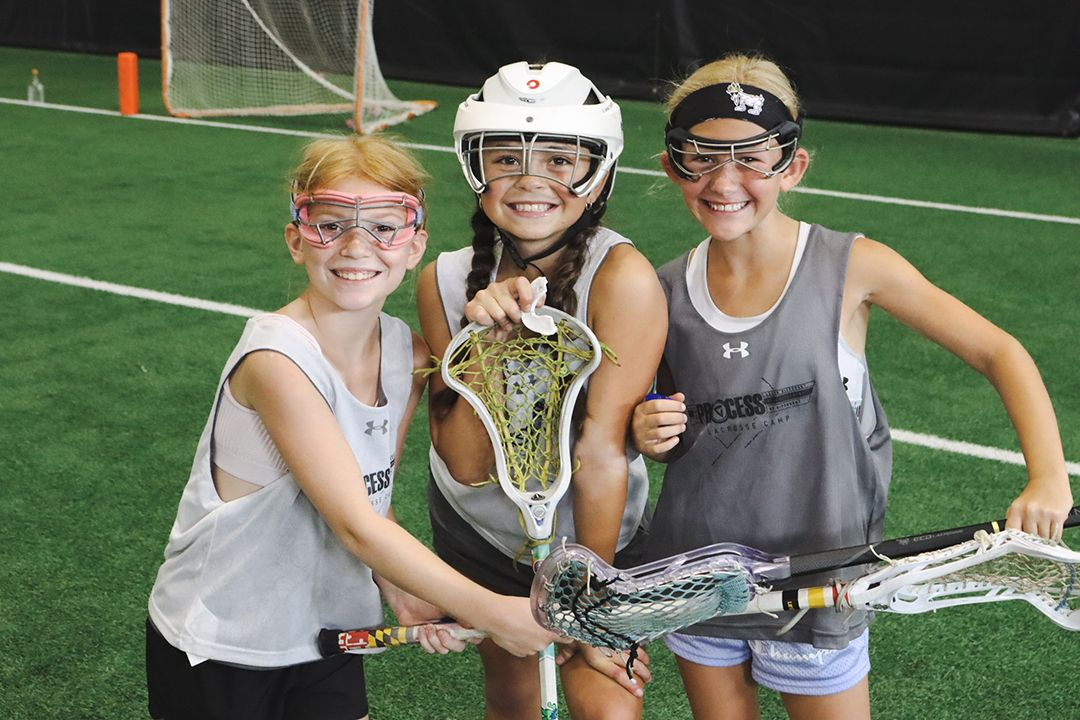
560 292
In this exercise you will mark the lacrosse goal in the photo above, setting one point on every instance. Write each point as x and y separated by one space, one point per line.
277 57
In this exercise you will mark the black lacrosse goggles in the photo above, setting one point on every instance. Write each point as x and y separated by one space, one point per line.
390 221
568 160
694 155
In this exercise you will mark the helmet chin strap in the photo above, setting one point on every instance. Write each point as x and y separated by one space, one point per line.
523 263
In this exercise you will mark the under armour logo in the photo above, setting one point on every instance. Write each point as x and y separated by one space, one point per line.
742 350
372 427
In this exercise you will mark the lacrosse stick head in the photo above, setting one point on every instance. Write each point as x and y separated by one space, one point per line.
1009 565
524 389
578 595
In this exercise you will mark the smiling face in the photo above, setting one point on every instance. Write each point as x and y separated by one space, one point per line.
355 270
733 196
534 203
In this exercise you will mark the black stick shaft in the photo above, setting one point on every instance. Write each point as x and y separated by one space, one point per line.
900 547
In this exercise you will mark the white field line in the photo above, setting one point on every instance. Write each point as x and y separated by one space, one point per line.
913 438
905 436
127 290
970 449
863 197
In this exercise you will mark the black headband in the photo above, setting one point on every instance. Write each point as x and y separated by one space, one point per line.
730 100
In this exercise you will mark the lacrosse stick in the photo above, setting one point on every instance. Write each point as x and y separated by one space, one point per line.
897 548
579 595
373 640
524 389
582 597
1010 565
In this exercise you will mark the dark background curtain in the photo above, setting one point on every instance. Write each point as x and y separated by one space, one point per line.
997 66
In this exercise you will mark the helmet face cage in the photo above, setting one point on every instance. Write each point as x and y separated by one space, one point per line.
693 156
573 161
536 104
390 221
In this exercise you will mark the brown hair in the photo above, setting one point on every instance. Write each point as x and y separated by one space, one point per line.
560 293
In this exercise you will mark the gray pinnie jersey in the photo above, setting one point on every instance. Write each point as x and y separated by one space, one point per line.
488 510
773 456
251 581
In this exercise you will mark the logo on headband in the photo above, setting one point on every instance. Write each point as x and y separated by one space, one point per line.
745 102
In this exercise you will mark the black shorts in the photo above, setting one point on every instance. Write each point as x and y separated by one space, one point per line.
330 689
465 550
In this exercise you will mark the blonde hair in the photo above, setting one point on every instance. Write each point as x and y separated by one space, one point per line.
378 158
751 69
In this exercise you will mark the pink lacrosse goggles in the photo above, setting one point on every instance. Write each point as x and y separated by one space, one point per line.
390 221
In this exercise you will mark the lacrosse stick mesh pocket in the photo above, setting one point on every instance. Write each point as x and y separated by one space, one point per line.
1010 565
523 389
580 596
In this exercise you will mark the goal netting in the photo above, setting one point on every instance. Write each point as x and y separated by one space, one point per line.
277 57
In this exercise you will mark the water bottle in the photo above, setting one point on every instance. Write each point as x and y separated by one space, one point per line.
35 91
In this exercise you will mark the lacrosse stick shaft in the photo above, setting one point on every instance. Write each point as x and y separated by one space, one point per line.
823 596
336 641
899 547
549 673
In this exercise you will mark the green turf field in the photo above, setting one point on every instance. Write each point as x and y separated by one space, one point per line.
103 394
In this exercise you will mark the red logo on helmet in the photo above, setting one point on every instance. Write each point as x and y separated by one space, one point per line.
533 84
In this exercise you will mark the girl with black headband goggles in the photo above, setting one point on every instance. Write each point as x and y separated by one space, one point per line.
693 156
768 305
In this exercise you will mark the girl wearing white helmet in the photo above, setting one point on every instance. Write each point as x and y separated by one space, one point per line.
538 146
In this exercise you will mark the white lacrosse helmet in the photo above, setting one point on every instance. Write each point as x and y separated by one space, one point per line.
524 103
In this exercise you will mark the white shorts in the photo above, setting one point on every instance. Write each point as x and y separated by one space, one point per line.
787 667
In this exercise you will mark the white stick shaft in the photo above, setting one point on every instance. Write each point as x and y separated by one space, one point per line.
549 672
458 633
549 688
